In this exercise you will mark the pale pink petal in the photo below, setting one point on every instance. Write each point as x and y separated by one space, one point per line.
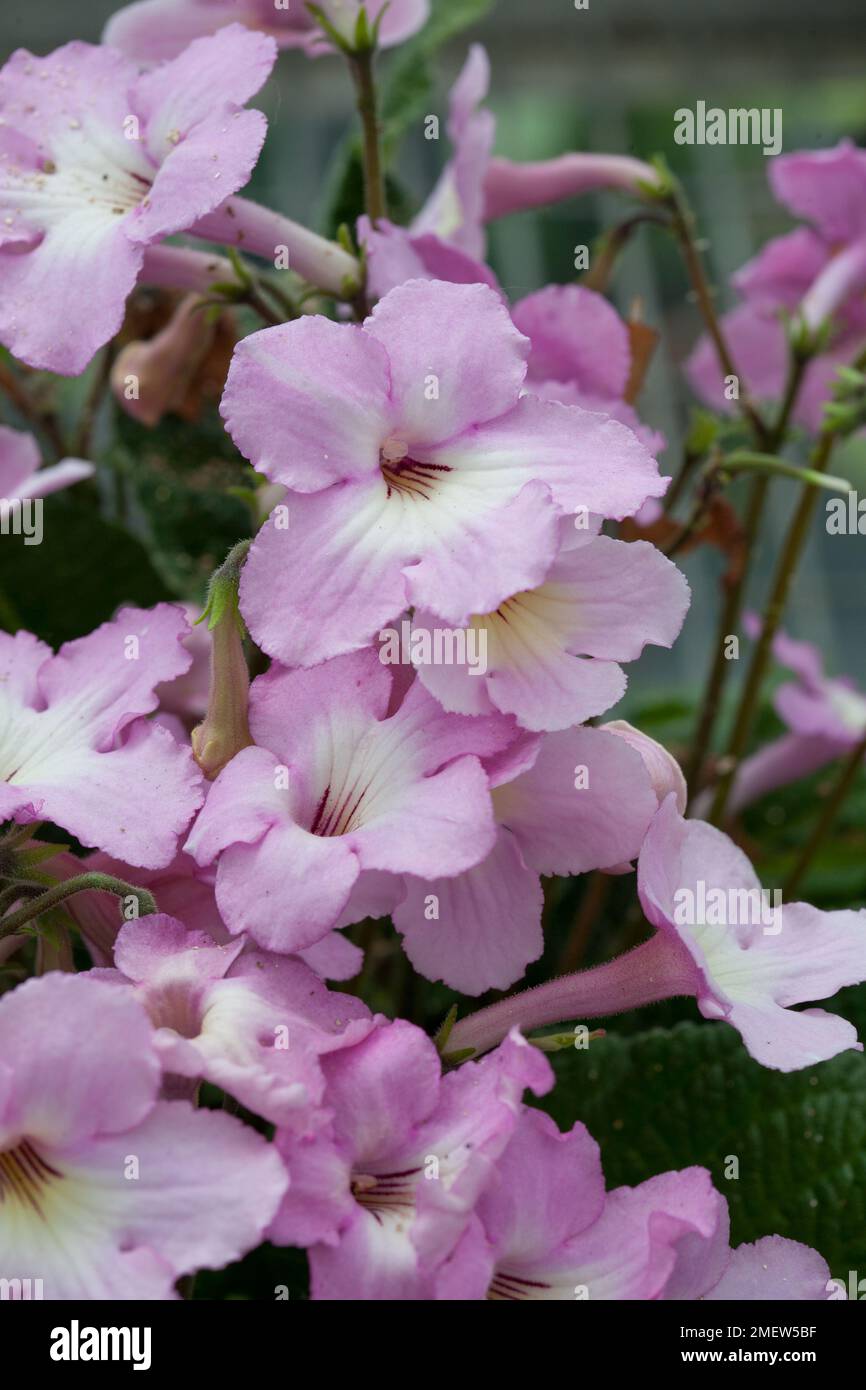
773 1268
576 335
585 804
207 1189
477 931
54 479
827 187
588 461
326 386
783 270
58 1031
456 358
550 1187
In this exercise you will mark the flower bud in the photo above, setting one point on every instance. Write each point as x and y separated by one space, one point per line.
225 729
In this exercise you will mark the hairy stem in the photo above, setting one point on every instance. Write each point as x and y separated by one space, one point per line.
82 883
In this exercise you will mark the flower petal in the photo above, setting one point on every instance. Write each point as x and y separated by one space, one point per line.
576 335
487 923
585 804
57 1031
587 460
773 1268
456 358
328 412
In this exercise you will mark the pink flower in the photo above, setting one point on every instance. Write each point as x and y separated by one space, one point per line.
337 795
551 653
384 1195
108 1192
20 474
826 717
580 354
97 163
257 1025
819 274
75 748
750 968
564 804
408 450
545 1229
153 30
719 940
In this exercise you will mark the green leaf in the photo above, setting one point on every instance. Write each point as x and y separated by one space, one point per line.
661 1100
83 570
176 480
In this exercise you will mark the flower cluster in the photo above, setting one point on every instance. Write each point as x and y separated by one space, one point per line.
395 687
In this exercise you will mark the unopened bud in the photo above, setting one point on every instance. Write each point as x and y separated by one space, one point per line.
225 729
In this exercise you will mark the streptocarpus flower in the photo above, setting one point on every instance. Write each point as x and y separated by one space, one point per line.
152 30
97 163
817 272
552 652
750 972
383 1196
717 939
825 715
75 749
107 1192
20 474
408 451
252 1023
546 1230
564 804
580 354
337 794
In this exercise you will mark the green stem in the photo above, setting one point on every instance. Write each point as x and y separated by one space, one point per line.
832 806
610 247
682 224
82 883
361 65
13 891
744 461
729 618
686 469
786 569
